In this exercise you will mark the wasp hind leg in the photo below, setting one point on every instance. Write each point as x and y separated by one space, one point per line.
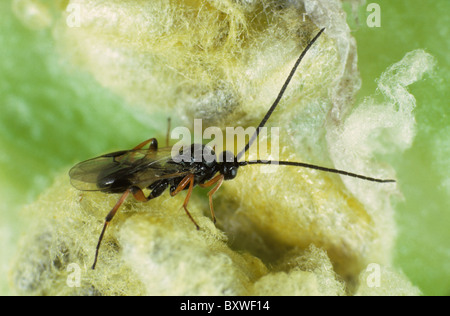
108 220
153 144
157 190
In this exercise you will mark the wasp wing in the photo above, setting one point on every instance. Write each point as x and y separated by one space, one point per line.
141 167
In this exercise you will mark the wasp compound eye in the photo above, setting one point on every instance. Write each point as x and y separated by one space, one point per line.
156 169
229 171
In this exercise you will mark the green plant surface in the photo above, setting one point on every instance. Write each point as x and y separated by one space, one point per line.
423 216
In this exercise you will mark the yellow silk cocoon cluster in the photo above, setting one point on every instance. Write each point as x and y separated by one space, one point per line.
281 230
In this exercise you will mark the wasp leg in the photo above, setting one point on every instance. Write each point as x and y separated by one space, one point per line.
219 180
139 195
189 179
156 191
153 144
108 219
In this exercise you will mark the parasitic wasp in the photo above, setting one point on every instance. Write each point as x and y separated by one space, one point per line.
156 169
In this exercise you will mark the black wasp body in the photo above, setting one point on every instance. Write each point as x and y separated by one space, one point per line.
132 171
155 169
198 160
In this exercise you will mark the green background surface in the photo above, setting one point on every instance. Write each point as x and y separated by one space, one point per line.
51 118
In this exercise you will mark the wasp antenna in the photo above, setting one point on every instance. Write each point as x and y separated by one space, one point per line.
280 95
305 165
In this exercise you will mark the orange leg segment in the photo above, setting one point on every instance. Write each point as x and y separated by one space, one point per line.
139 195
153 144
169 121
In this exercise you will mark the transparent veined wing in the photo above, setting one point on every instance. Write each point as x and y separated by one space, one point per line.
140 167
